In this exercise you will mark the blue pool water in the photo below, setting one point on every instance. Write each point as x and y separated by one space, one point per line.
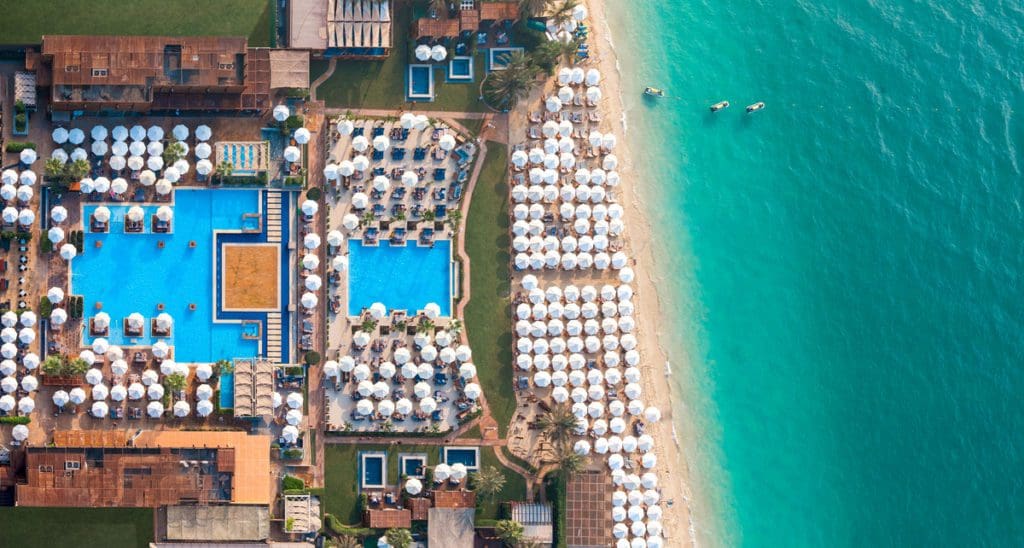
497 58
402 277
421 82
242 156
129 273
460 69
372 465
227 390
466 456
412 464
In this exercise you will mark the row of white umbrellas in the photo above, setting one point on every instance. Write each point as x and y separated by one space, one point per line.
13 177
120 133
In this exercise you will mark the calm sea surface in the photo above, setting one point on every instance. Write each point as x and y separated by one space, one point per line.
845 266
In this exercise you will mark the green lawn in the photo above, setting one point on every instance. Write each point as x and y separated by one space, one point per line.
514 490
77 527
27 22
381 84
488 311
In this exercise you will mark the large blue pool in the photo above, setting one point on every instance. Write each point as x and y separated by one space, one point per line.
130 273
402 277
372 473
467 456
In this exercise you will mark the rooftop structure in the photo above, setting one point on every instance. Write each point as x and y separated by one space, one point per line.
347 28
230 523
289 69
254 388
470 18
143 73
389 519
160 468
450 527
536 521
303 513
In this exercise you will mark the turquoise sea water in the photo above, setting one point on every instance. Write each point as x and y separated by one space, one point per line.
845 266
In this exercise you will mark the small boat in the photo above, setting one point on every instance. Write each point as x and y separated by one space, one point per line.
654 92
755 107
719 106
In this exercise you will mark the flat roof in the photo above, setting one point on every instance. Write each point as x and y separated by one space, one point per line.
289 69
236 522
451 527
307 24
251 463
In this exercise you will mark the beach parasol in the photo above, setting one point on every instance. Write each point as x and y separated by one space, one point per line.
422 52
155 133
100 392
76 136
117 163
553 104
310 261
60 398
182 409
164 187
381 143
438 53
204 167
119 185
172 174
472 391
458 472
204 392
313 282
136 391
294 400
409 178
290 434
360 163
27 178
99 148
281 113
292 154
346 127
577 76
9 192
155 163
331 172
204 408
99 410
360 143
309 207
381 183
301 136
309 300
155 391
311 241
565 94
203 133
155 409
446 142
364 407
59 135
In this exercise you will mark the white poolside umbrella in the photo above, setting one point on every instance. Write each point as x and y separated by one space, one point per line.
60 135
155 133
99 148
292 153
26 217
378 311
446 142
309 300
155 409
553 104
182 409
458 472
155 391
28 156
381 183
135 163
294 400
117 163
364 407
281 113
345 127
100 392
310 261
76 136
155 163
362 338
409 178
565 94
290 434
381 143
138 148
360 143
438 53
360 200
9 384
9 192
10 214
164 187
331 172
313 282
119 185
27 335
172 174
204 167
302 136
203 133
27 178
99 409
350 221
311 241
421 122
203 151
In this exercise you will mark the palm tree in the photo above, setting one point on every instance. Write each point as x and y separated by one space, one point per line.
368 218
569 461
398 538
532 8
558 425
77 169
455 327
173 153
425 326
503 89
454 219
53 169
509 531
488 482
223 169
347 541
563 12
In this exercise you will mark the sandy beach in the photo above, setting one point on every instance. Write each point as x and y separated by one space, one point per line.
673 468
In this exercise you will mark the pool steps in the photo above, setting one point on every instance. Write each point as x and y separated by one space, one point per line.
273 216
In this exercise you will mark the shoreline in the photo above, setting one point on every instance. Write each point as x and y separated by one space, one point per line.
673 466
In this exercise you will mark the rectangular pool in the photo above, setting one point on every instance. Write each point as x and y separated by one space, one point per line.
468 456
497 58
402 277
412 465
227 390
420 83
460 69
372 470
152 273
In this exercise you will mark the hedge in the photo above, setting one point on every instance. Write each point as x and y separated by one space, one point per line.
17 146
21 419
290 483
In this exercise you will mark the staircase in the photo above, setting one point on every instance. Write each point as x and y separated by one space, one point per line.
273 216
273 350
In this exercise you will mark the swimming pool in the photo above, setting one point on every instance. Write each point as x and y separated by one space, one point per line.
497 58
227 390
130 273
372 470
420 85
402 277
460 69
412 465
468 456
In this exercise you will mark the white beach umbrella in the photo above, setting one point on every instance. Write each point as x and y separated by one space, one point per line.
55 234
309 300
381 183
594 95
292 154
203 151
360 143
290 434
381 143
9 192
438 53
577 75
422 122
409 178
138 148
281 113
310 261
28 156
155 133
345 127
446 142
204 167
626 275
155 391
59 135
412 485
135 163
99 148
311 241
360 200
204 408
182 409
553 104
172 174
119 185
76 136
428 405
100 392
100 410
155 163
27 178
203 133
350 222
155 409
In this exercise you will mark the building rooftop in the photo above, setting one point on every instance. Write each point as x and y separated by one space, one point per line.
289 69
454 499
450 527
224 523
387 519
468 20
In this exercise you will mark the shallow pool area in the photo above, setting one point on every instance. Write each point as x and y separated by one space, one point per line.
227 390
372 470
420 83
467 456
460 69
497 58
173 272
412 465
403 277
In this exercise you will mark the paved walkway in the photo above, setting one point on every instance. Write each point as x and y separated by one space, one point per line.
384 112
323 78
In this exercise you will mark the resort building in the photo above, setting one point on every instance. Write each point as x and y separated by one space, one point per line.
153 73
472 16
107 469
360 29
536 520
